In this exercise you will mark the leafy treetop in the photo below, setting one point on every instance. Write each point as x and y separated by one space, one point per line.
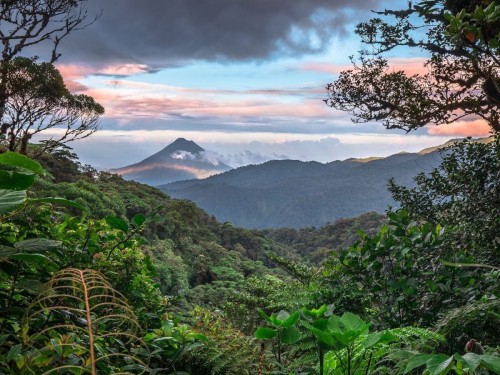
463 71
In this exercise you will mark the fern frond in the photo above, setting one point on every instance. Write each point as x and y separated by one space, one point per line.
467 314
81 322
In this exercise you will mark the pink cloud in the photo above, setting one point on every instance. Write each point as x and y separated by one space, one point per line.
410 66
476 128
73 73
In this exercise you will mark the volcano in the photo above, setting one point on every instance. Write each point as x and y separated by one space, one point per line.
181 160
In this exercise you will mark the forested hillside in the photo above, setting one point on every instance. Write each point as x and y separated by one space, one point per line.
295 194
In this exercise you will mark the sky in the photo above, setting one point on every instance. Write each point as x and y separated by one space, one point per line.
244 79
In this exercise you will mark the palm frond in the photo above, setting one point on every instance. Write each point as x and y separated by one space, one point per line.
81 323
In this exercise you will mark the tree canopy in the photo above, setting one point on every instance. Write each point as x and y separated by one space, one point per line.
462 40
39 100
33 96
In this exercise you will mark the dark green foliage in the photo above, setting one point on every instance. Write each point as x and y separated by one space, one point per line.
398 274
463 194
315 244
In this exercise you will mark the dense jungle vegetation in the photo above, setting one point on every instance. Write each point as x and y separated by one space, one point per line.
99 275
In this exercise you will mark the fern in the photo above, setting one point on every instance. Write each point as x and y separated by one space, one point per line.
227 351
79 323
464 321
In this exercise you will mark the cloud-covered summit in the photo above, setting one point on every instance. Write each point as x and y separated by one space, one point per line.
165 33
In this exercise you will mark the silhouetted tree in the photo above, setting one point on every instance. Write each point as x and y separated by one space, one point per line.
38 100
463 72
28 23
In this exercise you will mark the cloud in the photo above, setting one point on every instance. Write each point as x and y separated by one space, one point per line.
473 128
248 157
169 33
410 65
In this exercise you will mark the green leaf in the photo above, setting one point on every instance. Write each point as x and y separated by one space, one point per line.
491 362
321 335
372 339
417 361
31 285
471 361
37 244
12 180
265 333
38 259
315 313
352 322
347 328
138 220
117 223
10 199
265 316
290 320
290 335
439 364
58 201
17 160
7 251
14 351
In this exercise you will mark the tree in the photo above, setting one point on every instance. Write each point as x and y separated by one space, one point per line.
462 194
39 100
28 23
463 78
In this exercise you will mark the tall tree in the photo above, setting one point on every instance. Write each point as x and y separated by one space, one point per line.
38 100
28 23
463 72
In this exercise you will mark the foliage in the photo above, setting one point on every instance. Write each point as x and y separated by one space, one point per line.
343 344
462 38
227 350
399 275
79 323
440 364
171 345
463 195
34 23
39 100
315 244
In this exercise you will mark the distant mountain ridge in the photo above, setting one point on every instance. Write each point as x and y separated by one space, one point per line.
296 194
180 160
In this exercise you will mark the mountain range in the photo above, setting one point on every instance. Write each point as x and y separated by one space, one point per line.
296 194
180 160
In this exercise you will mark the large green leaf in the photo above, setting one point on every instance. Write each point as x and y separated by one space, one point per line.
491 362
265 316
323 336
10 199
439 364
12 180
37 244
417 361
37 259
470 360
17 160
283 319
347 328
117 223
265 333
290 335
315 313
138 220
